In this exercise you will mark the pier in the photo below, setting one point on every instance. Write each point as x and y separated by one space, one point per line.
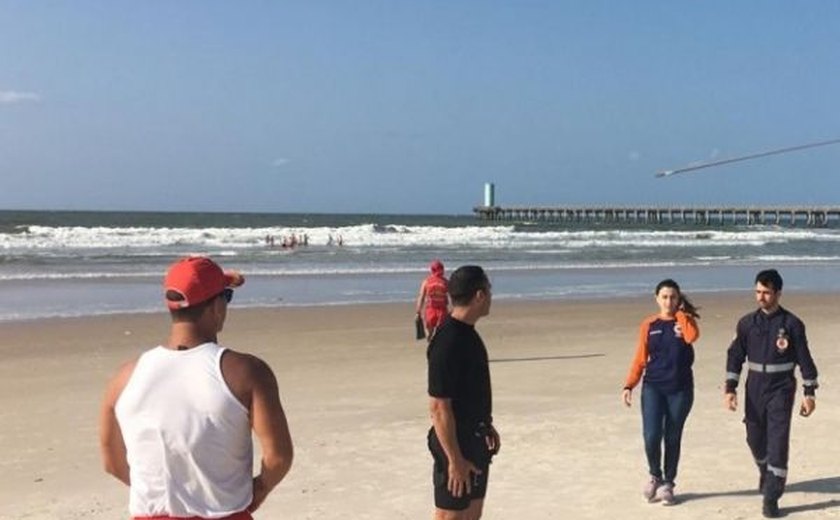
710 216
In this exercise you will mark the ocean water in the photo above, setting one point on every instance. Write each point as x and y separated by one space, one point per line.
88 263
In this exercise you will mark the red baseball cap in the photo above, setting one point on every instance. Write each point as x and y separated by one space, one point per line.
197 279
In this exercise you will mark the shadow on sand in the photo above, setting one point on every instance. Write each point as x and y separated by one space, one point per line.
545 358
688 497
820 485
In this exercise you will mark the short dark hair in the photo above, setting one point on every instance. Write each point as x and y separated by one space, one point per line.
191 313
770 278
465 282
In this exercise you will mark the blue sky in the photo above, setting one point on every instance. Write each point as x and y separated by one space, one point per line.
410 106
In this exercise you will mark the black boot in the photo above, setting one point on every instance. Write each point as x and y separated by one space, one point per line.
770 508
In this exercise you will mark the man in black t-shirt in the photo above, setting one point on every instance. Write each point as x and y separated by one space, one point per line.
462 438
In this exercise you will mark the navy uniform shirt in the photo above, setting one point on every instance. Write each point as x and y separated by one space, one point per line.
761 338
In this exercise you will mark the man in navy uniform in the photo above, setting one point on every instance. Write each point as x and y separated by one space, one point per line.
772 341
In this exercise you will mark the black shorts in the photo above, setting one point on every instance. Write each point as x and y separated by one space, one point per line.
440 472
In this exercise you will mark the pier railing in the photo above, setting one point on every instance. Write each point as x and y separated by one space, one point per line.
712 216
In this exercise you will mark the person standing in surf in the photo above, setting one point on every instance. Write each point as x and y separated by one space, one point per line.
434 297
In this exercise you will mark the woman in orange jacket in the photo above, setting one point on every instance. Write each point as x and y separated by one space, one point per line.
664 355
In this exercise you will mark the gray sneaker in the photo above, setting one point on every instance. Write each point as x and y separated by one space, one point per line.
665 494
649 491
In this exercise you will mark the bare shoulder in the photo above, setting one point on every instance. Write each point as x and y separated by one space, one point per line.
118 381
126 369
240 364
245 374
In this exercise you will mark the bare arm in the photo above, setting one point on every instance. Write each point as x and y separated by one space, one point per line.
443 420
460 468
111 444
272 430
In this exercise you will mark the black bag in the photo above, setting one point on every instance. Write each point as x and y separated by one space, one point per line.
420 330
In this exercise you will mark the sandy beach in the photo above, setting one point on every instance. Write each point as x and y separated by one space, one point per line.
352 380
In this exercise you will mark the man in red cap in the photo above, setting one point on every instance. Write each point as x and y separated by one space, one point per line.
434 294
175 423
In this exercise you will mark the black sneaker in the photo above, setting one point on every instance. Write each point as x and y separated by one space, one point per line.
770 509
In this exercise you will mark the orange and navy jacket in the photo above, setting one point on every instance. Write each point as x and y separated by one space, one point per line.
665 353
437 289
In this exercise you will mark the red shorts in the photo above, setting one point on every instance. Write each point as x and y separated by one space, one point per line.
434 317
242 515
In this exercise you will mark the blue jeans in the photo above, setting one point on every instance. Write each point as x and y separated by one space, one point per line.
663 418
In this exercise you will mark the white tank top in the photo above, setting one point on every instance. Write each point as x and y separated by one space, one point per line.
187 437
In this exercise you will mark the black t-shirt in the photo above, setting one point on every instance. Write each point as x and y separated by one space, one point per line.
458 370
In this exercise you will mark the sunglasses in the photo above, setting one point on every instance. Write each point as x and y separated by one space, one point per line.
227 294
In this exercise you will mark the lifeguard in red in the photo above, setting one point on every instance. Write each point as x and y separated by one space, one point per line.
434 295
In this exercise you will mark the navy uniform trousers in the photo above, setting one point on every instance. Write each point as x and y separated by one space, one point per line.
767 415
771 345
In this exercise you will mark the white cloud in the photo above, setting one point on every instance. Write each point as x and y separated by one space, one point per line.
10 97
280 161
